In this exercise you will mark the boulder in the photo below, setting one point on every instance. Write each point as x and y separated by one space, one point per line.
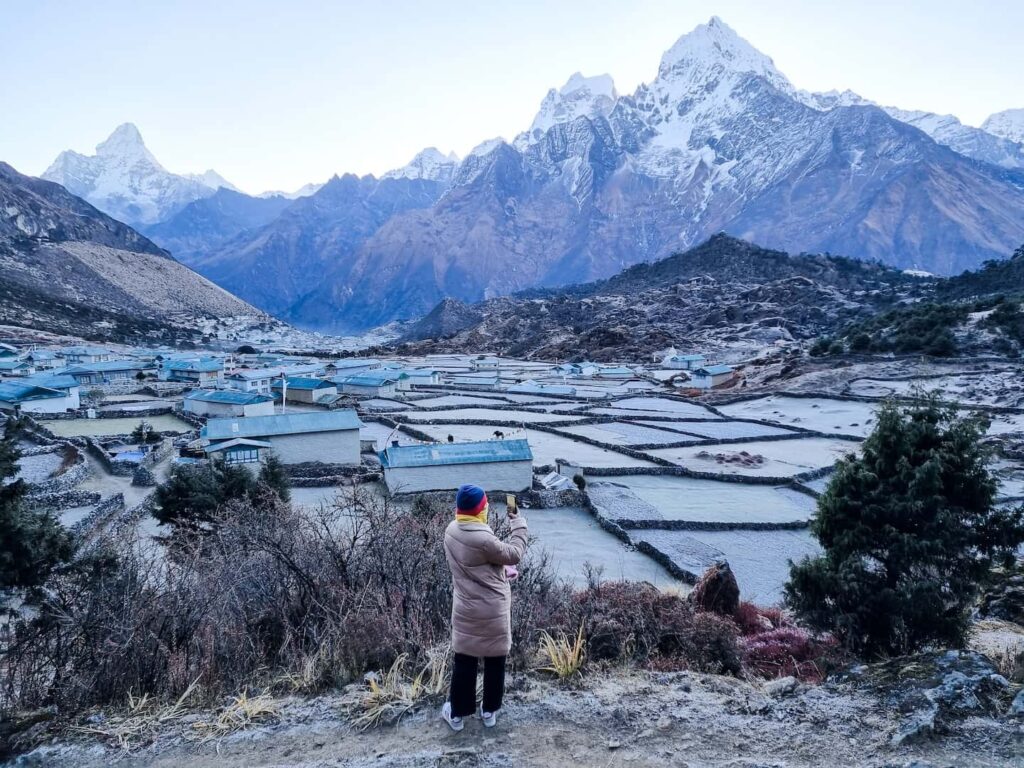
934 688
717 591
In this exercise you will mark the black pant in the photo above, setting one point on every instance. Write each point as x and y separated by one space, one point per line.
463 692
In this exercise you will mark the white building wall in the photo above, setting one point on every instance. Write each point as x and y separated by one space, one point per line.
512 476
339 447
49 405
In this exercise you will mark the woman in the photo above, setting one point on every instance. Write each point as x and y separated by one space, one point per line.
481 604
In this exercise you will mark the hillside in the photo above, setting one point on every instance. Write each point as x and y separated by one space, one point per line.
725 293
67 268
719 140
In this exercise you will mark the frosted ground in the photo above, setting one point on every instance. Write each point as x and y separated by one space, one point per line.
760 559
547 448
721 430
712 501
573 539
621 433
91 427
841 417
484 414
782 458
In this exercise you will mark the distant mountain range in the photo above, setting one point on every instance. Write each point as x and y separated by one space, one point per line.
719 140
67 268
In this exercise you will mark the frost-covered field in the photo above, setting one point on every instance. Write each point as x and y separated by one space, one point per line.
664 406
383 404
458 401
627 434
637 414
573 539
842 417
485 414
722 430
36 469
383 434
983 388
760 559
79 427
781 457
693 500
547 448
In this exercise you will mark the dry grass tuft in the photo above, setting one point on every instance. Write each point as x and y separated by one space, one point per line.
142 719
241 712
393 693
565 657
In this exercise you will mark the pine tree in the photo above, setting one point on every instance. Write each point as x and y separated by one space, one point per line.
908 529
32 541
273 475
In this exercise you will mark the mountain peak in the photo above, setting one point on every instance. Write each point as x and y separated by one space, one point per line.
717 44
581 96
125 139
430 164
1008 124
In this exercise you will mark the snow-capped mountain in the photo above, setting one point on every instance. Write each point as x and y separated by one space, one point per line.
304 191
977 143
429 164
125 180
1008 124
719 140
66 267
581 96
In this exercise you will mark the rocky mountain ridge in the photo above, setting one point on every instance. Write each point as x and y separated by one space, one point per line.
720 140
67 268
126 181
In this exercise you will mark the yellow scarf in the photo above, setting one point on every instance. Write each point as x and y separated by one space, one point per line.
479 517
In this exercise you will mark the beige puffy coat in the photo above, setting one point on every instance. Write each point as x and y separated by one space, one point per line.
482 599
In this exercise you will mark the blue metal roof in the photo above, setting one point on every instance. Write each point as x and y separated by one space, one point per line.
52 381
10 365
16 393
439 454
371 378
714 370
282 424
232 396
687 358
299 382
105 366
199 366
87 351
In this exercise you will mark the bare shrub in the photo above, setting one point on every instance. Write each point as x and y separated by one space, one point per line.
271 597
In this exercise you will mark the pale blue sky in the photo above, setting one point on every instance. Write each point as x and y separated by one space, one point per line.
276 94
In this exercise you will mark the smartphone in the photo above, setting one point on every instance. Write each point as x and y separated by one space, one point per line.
511 505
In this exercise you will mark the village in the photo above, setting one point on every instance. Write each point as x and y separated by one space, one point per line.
650 472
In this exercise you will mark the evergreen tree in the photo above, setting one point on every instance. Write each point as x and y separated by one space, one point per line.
190 498
908 528
274 476
32 541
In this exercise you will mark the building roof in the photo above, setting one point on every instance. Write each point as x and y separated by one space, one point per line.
371 378
232 396
52 381
531 387
12 365
714 370
354 362
17 393
442 454
299 382
252 374
281 424
687 358
198 366
105 366
236 442
86 351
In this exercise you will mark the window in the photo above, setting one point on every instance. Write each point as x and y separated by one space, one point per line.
242 456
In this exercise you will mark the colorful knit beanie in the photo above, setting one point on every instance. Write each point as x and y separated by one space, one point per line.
471 504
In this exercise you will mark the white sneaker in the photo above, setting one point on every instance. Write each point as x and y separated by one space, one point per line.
490 718
455 723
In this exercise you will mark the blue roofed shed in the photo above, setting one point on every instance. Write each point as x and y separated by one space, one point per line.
303 389
32 398
331 437
227 402
494 465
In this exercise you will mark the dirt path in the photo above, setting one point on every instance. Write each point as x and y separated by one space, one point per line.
629 720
